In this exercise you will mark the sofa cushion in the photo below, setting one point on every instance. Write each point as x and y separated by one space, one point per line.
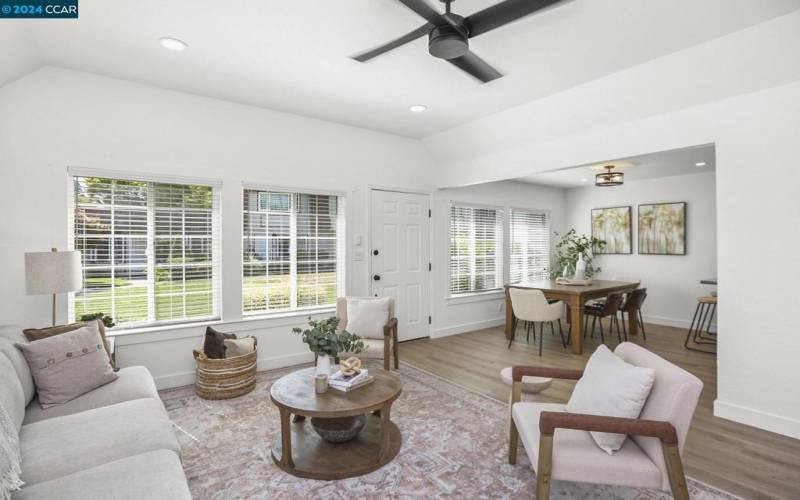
576 457
155 475
33 334
134 382
8 337
12 397
57 447
68 365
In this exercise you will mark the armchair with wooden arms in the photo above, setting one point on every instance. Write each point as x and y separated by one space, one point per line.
649 458
382 344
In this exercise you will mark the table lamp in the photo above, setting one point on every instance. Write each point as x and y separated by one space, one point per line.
52 273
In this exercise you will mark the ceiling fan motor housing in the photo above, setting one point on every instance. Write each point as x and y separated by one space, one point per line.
447 41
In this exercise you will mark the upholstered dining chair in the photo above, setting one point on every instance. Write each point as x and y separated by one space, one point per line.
531 305
376 324
607 309
560 446
633 306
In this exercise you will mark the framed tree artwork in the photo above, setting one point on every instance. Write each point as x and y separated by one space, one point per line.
612 225
662 229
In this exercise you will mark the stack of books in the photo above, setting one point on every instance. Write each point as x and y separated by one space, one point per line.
343 383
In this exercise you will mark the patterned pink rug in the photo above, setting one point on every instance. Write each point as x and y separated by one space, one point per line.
454 446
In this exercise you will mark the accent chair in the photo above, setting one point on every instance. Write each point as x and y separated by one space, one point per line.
560 445
381 340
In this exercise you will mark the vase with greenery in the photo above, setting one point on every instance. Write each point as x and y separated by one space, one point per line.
569 247
108 321
322 339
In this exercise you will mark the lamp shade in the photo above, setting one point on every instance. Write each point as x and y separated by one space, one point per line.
52 272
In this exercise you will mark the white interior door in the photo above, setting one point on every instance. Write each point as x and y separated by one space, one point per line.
400 253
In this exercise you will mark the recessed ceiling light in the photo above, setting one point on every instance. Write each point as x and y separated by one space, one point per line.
584 180
418 108
172 43
700 164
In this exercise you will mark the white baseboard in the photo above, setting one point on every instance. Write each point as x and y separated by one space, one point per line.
675 322
757 418
468 327
187 378
478 325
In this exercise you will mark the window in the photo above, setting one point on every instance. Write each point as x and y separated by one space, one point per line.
293 251
476 249
150 250
530 246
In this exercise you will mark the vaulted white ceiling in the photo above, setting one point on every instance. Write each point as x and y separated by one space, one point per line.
292 55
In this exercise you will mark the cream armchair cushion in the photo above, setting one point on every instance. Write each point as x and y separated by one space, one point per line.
366 317
611 387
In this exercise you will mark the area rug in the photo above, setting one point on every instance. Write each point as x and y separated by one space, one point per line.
454 447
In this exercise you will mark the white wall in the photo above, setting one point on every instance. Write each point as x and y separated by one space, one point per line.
756 141
467 313
672 281
54 118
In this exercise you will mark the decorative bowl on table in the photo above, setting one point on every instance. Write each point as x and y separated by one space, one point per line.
338 430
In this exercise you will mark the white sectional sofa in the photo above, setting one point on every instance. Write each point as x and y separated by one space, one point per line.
114 442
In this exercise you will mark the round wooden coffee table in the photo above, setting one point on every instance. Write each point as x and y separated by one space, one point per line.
300 451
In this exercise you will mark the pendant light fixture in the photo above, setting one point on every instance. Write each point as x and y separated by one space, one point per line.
609 178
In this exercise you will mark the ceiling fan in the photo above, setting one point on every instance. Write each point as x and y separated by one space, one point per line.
449 34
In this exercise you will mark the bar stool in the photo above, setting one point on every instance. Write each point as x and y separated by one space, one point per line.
703 315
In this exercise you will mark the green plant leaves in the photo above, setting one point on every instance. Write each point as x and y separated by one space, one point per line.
323 340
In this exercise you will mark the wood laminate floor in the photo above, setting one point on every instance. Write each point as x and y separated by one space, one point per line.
743 460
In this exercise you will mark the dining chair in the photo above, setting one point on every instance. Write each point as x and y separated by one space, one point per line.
560 446
531 305
633 305
608 309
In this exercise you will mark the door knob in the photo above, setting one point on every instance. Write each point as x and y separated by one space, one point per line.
375 252
376 278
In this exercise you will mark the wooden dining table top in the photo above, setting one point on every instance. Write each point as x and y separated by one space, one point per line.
595 286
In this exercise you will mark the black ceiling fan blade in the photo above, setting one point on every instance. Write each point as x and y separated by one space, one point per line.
397 42
424 9
503 13
476 67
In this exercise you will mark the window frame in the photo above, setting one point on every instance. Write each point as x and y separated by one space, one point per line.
150 238
548 233
500 257
340 245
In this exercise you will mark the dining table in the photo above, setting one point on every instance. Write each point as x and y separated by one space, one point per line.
575 297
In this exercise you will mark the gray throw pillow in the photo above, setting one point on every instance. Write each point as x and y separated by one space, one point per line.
68 365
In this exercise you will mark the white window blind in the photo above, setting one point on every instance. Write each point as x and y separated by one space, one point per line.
476 249
530 246
293 251
150 251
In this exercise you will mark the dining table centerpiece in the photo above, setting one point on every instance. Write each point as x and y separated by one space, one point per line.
574 250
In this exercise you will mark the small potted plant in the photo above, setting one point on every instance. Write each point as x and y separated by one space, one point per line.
107 320
325 343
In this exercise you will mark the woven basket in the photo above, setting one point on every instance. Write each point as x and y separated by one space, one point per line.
225 378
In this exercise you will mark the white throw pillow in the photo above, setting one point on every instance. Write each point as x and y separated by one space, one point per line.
367 317
611 387
239 347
